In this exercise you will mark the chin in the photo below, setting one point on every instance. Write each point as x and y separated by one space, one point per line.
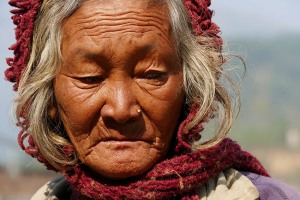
131 160
116 173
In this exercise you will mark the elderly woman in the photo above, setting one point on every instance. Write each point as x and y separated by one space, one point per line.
114 94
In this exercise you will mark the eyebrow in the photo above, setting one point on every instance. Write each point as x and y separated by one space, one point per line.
85 54
82 53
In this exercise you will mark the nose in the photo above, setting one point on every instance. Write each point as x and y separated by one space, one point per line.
121 104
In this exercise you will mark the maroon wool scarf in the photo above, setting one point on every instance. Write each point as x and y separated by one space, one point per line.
176 178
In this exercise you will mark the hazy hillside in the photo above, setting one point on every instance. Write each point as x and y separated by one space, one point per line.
270 90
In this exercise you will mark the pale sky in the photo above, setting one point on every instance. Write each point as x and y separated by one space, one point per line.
257 18
252 18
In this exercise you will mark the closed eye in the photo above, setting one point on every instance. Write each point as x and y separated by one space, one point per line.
154 78
154 75
91 80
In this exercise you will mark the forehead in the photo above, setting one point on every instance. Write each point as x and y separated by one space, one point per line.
94 14
145 3
105 28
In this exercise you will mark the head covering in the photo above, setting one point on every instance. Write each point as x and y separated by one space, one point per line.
182 173
26 11
23 17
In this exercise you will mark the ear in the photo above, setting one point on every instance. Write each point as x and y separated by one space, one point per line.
53 118
53 111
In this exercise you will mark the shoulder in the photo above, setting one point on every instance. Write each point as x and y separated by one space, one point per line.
270 188
229 184
57 189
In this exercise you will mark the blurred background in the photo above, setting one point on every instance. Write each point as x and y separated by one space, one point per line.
265 33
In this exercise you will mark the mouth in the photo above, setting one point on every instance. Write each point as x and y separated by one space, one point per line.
121 141
117 147
121 133
122 138
121 144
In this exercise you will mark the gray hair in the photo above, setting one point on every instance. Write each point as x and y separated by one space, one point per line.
201 67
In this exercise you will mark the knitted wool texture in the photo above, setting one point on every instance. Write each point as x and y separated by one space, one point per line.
177 177
23 18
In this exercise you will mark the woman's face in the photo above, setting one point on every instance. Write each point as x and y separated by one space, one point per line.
119 57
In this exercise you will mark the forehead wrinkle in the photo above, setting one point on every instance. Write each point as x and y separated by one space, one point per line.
90 55
146 3
96 23
99 56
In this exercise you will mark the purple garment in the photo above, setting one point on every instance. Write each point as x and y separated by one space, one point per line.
271 189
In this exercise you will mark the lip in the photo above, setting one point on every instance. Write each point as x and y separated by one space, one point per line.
121 140
120 144
117 139
121 133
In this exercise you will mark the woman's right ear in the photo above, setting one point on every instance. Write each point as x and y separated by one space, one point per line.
54 119
53 111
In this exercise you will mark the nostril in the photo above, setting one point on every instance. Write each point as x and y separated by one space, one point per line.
107 112
120 114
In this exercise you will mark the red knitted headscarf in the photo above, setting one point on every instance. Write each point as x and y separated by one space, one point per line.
177 177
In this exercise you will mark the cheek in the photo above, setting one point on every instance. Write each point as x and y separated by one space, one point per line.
167 118
72 106
164 106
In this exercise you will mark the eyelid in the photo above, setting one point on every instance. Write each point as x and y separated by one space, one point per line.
86 82
152 78
91 79
154 73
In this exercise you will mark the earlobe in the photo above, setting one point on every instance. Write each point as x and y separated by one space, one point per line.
53 111
54 121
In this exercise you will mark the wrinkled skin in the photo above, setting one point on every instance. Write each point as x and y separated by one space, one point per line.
118 57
